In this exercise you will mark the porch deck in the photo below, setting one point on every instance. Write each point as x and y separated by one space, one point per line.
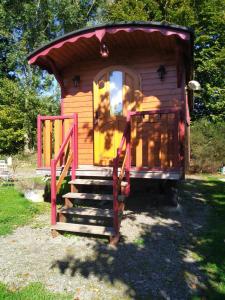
99 171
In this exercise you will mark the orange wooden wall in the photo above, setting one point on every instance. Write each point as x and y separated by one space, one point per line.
155 93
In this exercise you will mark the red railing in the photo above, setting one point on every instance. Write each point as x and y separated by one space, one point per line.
68 153
125 170
126 164
51 131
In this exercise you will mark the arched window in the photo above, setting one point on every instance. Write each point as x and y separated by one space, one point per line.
116 92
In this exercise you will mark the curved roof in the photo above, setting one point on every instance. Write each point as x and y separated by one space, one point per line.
88 39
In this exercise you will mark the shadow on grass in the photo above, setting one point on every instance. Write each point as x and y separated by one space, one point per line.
158 263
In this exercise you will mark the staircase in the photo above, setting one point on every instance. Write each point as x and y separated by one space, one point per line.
95 204
98 210
90 212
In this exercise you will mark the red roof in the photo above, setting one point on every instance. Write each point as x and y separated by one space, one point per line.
85 43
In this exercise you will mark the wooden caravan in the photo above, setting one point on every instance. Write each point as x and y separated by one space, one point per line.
124 114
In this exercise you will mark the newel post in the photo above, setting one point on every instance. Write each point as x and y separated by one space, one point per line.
53 192
128 149
76 139
181 140
39 142
115 195
75 146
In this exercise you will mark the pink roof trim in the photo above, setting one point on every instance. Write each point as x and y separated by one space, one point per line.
100 33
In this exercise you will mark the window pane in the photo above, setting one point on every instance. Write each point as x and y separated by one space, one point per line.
116 92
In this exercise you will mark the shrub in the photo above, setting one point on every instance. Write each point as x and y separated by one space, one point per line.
207 146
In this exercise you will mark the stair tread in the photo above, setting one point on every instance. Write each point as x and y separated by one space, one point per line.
87 211
91 196
90 229
95 182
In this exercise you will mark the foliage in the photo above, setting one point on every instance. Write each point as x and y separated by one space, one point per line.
18 113
208 142
210 58
15 210
34 183
22 95
34 291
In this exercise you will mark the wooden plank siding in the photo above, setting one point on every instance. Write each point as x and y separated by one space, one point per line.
155 94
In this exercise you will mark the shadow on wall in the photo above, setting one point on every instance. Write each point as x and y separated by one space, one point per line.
158 137
153 259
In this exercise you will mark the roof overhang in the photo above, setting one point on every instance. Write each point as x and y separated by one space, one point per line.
85 43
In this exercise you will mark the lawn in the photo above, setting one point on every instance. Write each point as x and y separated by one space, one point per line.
34 291
15 210
209 246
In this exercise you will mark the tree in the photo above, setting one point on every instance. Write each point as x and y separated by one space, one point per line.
210 58
23 26
11 118
18 113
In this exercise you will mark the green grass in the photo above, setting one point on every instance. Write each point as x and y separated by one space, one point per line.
210 245
15 210
34 291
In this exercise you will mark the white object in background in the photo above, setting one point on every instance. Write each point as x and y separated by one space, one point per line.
194 85
223 170
34 195
9 160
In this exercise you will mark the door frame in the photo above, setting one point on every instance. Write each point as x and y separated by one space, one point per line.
137 96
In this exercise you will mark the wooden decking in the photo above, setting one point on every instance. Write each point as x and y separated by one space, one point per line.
98 171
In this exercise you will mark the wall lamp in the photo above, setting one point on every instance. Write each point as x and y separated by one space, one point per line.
76 80
104 51
162 72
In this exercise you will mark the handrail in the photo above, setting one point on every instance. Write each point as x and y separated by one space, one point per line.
63 117
40 139
126 165
155 111
125 169
72 159
66 140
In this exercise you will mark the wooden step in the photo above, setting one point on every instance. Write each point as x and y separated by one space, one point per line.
87 211
95 182
80 228
89 196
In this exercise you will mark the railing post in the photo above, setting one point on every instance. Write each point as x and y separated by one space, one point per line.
39 142
53 192
62 161
181 141
76 139
128 149
75 146
176 141
115 196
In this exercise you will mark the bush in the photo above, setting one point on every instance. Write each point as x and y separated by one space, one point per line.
207 146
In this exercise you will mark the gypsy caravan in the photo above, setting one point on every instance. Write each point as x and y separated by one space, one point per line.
124 115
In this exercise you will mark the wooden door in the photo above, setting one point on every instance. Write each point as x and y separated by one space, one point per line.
116 90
